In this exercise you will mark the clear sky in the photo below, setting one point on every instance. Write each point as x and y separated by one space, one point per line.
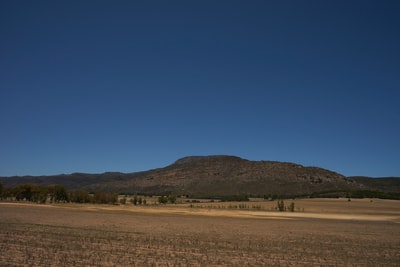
95 86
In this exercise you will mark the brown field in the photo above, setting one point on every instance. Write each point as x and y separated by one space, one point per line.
322 232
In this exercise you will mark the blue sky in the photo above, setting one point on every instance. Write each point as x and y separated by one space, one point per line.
95 86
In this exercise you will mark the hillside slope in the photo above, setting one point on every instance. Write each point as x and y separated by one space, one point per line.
384 184
208 176
213 176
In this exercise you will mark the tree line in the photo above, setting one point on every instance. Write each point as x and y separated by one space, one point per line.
54 194
357 194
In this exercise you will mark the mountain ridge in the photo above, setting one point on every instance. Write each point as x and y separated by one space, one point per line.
213 176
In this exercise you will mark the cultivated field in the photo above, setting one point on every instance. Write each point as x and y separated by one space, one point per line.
321 232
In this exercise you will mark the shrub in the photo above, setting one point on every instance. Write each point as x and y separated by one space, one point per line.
281 205
58 193
162 200
105 198
172 199
291 207
134 200
80 196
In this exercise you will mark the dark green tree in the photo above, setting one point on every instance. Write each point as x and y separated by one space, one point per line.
291 207
80 196
8 192
172 199
281 205
105 198
24 192
58 194
1 191
39 194
135 200
163 199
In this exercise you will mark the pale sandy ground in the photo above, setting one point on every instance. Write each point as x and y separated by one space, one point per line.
339 209
333 209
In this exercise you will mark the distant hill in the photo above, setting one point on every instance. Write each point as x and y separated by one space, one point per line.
384 184
208 176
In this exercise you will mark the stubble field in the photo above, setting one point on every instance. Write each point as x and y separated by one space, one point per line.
326 233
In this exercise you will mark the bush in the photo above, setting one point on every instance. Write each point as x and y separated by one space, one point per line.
58 193
234 198
162 200
291 207
281 205
172 199
105 198
134 200
80 196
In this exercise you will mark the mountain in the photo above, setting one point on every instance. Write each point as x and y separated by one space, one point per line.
216 176
207 176
70 181
384 184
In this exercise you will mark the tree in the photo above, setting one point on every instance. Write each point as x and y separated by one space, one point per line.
281 205
291 207
58 193
24 192
135 200
100 198
80 196
1 191
162 200
39 194
172 199
7 193
105 198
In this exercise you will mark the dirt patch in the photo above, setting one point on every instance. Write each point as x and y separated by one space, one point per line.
90 235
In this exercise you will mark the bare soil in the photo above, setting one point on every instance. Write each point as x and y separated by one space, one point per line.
327 233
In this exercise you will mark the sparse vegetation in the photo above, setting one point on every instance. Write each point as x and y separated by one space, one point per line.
234 198
281 206
252 206
167 199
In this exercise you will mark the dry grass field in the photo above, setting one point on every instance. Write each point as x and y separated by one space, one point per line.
323 232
